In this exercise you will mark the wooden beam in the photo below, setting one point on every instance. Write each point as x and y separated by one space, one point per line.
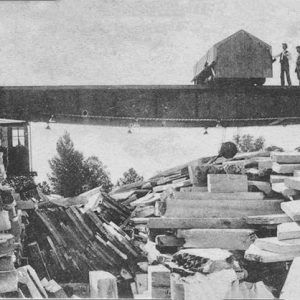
277 178
285 168
159 282
273 244
268 219
230 239
288 231
253 253
189 223
291 290
219 196
286 157
220 209
293 183
200 189
285 191
168 241
292 209
103 285
227 183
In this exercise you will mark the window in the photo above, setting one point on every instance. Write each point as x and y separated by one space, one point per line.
18 136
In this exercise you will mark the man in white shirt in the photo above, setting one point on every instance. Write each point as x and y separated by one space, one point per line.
285 57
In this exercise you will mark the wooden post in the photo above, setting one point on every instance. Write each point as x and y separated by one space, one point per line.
103 285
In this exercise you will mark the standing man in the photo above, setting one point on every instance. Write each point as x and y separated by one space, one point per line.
297 70
285 57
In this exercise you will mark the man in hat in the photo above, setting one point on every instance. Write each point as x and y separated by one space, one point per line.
297 70
285 57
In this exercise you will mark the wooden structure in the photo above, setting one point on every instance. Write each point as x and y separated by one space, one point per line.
15 146
239 56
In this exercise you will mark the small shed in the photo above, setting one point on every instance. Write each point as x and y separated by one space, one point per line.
15 146
241 56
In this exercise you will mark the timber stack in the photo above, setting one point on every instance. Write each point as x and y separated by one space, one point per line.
240 205
227 229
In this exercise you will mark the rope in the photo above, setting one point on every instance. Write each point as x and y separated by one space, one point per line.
177 119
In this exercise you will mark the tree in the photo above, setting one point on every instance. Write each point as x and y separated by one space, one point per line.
129 176
67 168
247 143
72 174
95 174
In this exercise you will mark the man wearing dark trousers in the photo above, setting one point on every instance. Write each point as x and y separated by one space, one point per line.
297 70
285 57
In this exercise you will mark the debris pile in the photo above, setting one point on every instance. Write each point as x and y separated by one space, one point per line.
226 226
240 205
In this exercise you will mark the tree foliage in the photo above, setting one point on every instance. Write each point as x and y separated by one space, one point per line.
95 174
129 176
71 174
247 143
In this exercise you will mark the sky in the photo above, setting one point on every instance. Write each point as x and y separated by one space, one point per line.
111 42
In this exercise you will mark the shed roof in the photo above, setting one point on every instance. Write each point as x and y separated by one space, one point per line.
11 122
238 33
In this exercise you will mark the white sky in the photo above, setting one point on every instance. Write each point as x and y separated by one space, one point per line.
130 41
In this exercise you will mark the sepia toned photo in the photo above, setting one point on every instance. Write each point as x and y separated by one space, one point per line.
149 149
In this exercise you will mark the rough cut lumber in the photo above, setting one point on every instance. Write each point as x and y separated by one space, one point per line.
218 196
273 244
230 239
256 254
227 183
28 276
220 209
161 188
192 175
177 287
168 241
141 280
6 244
286 157
288 231
296 173
103 285
189 223
281 188
26 205
4 221
264 163
263 186
291 288
200 189
285 168
37 260
292 209
268 219
293 183
277 178
159 282
146 200
144 211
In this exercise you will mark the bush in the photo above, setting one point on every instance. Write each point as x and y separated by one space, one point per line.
71 174
247 143
95 175
274 148
130 176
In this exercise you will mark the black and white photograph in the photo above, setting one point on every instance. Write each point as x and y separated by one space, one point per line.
150 149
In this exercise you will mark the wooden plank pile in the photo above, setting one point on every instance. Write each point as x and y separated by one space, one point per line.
69 244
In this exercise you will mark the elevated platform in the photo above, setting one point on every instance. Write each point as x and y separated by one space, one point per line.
162 105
